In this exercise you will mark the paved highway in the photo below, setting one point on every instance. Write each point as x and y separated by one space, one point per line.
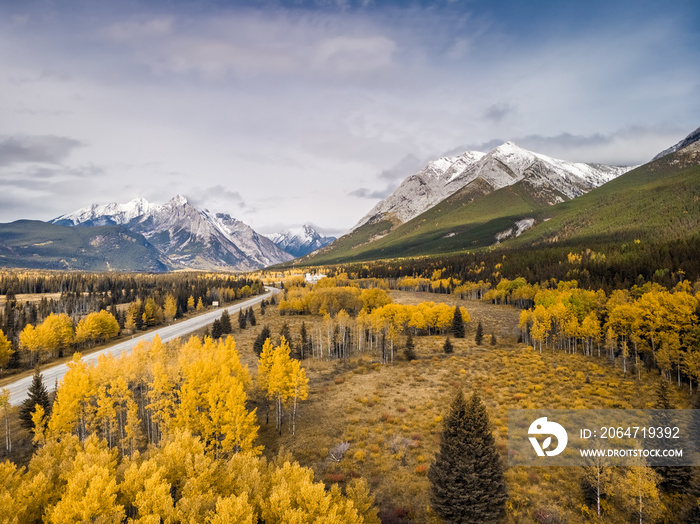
18 389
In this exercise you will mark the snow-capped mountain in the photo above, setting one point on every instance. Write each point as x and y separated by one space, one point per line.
690 139
300 241
421 191
556 180
187 236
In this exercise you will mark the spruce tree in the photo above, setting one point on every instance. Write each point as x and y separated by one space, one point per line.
466 479
260 340
251 317
38 394
216 329
674 479
225 321
284 332
493 339
479 337
242 321
304 340
448 347
410 349
457 324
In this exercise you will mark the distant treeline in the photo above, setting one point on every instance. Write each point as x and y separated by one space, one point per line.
151 299
605 265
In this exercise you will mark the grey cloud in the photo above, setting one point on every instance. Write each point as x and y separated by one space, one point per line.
363 192
498 112
218 198
629 146
406 166
45 149
302 45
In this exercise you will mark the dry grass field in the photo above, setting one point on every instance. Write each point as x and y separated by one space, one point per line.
391 416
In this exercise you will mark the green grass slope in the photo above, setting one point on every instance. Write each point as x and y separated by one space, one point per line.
40 245
466 220
657 202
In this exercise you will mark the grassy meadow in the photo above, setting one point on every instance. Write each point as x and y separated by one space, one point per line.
391 415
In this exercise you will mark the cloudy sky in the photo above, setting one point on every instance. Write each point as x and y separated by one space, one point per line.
285 112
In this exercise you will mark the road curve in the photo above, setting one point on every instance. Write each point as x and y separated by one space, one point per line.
19 388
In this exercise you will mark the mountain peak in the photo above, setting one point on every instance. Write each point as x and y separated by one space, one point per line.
300 241
504 165
185 235
178 200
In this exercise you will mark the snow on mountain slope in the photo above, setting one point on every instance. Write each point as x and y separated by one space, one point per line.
690 139
187 236
503 166
300 241
422 190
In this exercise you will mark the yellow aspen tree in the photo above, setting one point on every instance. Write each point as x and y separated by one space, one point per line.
190 303
639 487
358 492
105 413
48 464
590 331
147 489
23 495
161 400
212 397
29 341
152 313
299 387
10 480
56 332
97 327
233 509
170 308
72 409
691 364
417 322
91 487
293 496
279 379
131 321
200 304
39 423
5 351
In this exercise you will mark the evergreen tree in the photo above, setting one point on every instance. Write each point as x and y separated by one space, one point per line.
38 394
493 339
262 308
225 323
251 317
663 400
457 324
304 340
216 329
260 340
466 479
284 332
479 337
673 479
272 300
410 348
242 321
447 347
